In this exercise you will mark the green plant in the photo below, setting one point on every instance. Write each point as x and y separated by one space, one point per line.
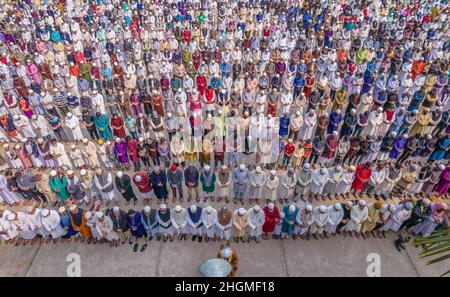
437 244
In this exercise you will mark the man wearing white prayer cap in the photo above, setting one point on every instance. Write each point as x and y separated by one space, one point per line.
241 219
358 214
304 221
51 221
335 216
105 229
257 181
119 219
241 177
223 180
231 256
256 222
320 214
209 220
179 222
272 186
165 222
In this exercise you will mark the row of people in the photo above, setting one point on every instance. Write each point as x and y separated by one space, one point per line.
115 225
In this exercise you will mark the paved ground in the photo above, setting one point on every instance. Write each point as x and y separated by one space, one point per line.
339 256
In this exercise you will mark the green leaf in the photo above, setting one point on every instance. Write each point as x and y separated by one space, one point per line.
440 259
437 252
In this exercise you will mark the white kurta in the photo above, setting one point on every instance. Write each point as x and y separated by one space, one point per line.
257 182
288 185
29 229
318 181
308 126
401 214
357 217
105 229
59 152
320 220
334 218
51 223
209 222
89 151
73 123
178 220
223 231
272 185
6 195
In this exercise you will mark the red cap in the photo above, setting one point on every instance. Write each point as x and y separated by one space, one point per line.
173 167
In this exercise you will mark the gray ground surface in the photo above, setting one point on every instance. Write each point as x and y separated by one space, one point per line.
339 256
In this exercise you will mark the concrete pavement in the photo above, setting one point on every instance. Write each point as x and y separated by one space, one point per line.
338 256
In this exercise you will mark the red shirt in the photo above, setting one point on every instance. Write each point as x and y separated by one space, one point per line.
289 149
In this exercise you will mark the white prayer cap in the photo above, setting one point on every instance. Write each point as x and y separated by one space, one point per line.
322 208
119 173
72 207
338 206
83 172
441 166
55 89
29 208
241 211
256 208
309 207
73 146
30 91
409 205
169 114
99 214
384 208
379 109
352 167
138 178
69 114
291 208
62 209
108 142
426 201
393 134
209 209
94 92
156 168
338 168
271 206
33 117
69 172
162 206
282 215
273 172
17 146
85 140
242 166
207 167
53 173
88 215
177 208
334 133
16 117
193 208
40 140
353 110
226 252
224 167
116 208
147 209
298 112
141 139
307 166
6 145
45 212
323 170
117 139
362 202
11 216
258 169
